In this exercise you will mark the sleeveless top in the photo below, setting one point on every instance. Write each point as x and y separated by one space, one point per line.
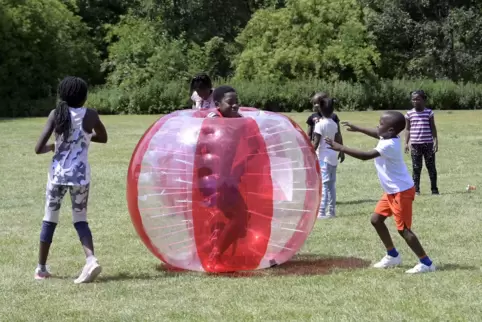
70 166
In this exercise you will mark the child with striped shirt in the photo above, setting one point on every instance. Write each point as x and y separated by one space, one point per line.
421 140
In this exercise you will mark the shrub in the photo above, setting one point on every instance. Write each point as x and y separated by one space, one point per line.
157 97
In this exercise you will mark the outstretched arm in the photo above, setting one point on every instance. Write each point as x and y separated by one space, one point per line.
367 131
42 147
358 154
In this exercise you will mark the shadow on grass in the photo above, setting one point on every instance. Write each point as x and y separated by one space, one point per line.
302 265
457 267
356 202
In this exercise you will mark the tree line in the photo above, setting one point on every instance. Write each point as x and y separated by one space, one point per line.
139 55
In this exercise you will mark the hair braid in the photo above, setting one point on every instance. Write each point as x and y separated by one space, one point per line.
72 93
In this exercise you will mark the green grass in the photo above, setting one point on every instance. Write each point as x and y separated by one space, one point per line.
318 284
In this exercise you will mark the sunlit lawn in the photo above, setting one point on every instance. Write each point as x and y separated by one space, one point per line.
330 279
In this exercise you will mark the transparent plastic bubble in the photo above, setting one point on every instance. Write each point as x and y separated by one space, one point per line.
224 194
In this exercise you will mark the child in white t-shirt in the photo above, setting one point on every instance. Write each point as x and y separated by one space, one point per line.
398 186
328 158
202 92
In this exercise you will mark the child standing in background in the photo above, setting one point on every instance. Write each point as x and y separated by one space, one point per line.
317 116
421 139
326 128
202 92
75 127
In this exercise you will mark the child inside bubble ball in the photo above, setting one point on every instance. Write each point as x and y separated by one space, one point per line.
228 199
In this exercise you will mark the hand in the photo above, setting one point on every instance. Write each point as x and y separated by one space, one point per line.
341 157
350 127
435 147
333 145
229 182
407 148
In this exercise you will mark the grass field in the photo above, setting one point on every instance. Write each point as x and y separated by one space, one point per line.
330 279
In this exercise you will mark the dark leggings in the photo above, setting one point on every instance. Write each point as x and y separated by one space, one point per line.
420 152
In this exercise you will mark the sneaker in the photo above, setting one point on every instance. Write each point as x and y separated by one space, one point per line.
435 193
90 271
41 275
421 268
417 193
325 217
389 261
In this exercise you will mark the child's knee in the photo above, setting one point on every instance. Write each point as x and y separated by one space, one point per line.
377 219
47 232
83 229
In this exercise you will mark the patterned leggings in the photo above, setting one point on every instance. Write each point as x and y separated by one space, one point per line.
54 195
420 152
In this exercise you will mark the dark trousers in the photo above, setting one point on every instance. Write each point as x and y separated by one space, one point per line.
420 152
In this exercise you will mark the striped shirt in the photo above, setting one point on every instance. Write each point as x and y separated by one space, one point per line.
420 130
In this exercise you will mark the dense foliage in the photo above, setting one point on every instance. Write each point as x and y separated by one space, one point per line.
139 55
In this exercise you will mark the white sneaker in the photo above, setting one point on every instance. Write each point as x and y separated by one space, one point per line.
389 261
421 268
41 275
90 271
325 217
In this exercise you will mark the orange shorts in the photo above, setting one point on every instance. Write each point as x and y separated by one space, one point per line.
399 205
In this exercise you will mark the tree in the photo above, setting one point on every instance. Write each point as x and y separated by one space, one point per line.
41 42
307 38
420 38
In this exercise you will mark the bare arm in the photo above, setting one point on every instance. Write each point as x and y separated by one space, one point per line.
370 132
310 131
316 141
100 133
361 155
358 154
407 133
338 137
434 133
42 146
355 128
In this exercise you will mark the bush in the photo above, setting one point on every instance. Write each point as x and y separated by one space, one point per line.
41 42
158 97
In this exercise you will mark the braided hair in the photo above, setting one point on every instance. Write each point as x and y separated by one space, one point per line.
72 93
201 81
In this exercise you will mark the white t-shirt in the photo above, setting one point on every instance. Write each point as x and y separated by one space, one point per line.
200 104
327 128
392 171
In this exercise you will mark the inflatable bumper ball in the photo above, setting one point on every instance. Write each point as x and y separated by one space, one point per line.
224 194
